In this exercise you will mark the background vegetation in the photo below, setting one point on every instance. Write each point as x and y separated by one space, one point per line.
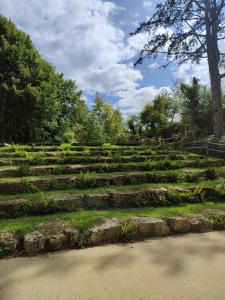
39 105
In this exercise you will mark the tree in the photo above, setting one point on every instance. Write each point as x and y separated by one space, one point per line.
153 120
91 130
189 30
134 125
111 119
195 107
158 117
35 102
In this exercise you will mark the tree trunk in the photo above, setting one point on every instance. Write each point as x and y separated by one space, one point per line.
214 72
218 126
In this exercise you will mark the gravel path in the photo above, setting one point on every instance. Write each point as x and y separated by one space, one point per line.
190 267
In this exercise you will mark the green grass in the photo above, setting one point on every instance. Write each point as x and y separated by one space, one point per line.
86 219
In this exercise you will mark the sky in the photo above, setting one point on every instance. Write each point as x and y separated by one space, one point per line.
89 41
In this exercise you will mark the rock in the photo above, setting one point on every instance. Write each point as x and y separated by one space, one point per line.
153 195
178 224
200 224
56 241
9 241
138 178
8 173
150 226
100 181
58 235
10 187
123 199
72 235
34 242
42 170
109 230
117 180
69 202
75 169
210 191
11 208
97 200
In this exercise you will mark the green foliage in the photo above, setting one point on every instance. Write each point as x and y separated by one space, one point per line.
86 151
85 179
90 130
34 158
36 103
109 118
196 110
158 115
23 170
176 196
218 221
128 229
27 186
4 251
211 173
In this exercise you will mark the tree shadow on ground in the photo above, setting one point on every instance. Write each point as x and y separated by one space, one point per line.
171 254
175 254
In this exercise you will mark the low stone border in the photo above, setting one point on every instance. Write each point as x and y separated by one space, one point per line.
154 197
57 235
23 185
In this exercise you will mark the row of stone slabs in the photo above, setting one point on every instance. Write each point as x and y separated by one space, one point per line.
53 236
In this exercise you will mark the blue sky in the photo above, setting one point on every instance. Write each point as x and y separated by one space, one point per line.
89 41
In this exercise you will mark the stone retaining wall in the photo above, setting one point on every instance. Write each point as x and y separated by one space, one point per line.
149 197
53 236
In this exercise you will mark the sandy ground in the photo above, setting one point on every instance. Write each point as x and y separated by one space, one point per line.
190 267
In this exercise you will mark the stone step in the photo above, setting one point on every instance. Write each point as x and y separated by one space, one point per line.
148 197
57 235
30 185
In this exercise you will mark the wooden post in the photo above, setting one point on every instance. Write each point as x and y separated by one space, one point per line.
206 148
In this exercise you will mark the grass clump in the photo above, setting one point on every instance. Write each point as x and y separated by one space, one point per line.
128 229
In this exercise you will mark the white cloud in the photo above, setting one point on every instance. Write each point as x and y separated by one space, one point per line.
134 100
187 71
147 4
154 66
81 40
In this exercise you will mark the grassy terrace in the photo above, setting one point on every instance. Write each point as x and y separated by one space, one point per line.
86 219
46 172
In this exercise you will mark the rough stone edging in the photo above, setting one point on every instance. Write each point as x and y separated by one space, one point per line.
58 235
117 199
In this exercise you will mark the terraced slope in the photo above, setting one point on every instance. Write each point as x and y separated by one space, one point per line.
82 184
